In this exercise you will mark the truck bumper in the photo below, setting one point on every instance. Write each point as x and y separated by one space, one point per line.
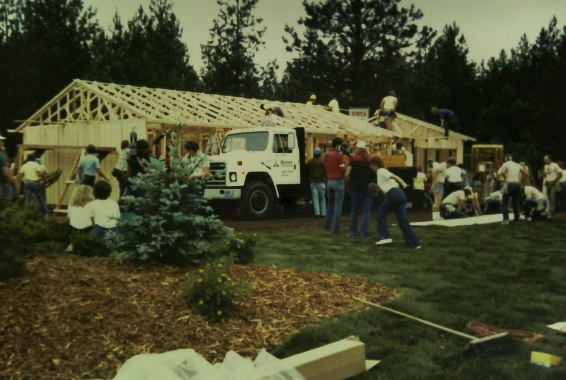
222 193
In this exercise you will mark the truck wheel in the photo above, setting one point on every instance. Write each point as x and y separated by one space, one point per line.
258 200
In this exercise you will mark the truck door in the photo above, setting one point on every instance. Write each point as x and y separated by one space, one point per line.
286 168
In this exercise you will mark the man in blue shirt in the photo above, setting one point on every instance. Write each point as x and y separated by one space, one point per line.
447 118
89 165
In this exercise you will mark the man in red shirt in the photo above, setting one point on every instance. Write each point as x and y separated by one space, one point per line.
335 187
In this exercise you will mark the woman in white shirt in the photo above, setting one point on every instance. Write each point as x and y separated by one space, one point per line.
395 199
79 218
103 212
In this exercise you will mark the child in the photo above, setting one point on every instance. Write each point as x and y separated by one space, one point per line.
103 212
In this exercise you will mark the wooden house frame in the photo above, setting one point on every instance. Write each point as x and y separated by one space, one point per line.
104 114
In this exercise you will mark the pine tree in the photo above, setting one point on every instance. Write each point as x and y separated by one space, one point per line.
229 55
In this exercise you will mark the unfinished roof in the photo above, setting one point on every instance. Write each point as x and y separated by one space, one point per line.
415 125
92 101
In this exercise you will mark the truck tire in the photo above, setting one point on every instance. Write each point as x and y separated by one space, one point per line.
258 200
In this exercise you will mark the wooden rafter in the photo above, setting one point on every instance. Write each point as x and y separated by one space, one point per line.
93 101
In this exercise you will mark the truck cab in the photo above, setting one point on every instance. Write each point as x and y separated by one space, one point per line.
257 167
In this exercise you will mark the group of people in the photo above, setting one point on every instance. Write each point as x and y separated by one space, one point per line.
454 197
363 177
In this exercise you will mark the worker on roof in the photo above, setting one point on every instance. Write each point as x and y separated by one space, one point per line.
447 118
311 101
387 107
333 106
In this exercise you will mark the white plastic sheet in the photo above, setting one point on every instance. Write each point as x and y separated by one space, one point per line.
188 365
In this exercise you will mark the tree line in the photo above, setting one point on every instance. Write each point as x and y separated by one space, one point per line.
354 50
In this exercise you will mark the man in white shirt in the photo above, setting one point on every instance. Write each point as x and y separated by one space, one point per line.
534 204
453 176
199 161
512 172
311 101
552 175
387 107
437 177
493 203
333 106
453 206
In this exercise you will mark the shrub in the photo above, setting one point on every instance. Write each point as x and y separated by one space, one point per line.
89 245
176 225
242 246
10 265
22 227
210 292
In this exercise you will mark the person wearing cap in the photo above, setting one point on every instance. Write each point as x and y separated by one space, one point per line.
333 106
534 203
311 101
453 206
447 118
512 172
335 187
387 107
317 178
31 172
395 199
8 185
358 178
419 183
552 175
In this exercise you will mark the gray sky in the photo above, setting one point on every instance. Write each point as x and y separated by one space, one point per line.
488 25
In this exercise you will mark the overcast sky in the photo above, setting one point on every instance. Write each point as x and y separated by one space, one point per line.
488 25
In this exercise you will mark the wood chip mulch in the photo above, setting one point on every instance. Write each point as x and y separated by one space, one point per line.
71 317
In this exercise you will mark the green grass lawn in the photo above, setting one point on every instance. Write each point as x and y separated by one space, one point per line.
513 277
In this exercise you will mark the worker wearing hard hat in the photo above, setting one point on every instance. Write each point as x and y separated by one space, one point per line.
311 101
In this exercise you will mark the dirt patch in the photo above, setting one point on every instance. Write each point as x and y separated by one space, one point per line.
74 317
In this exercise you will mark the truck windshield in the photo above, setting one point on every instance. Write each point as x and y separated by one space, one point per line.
254 141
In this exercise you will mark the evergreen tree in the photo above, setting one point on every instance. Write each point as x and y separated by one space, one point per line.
174 223
149 52
229 55
366 39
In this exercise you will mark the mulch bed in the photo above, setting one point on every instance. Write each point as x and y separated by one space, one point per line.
82 318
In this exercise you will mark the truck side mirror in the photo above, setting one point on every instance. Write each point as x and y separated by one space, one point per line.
291 141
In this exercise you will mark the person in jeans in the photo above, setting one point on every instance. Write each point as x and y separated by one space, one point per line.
89 165
335 187
512 172
552 175
103 212
447 118
120 170
317 178
358 177
534 204
31 173
8 185
453 206
453 177
395 199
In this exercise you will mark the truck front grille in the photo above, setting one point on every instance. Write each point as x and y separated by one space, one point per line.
217 174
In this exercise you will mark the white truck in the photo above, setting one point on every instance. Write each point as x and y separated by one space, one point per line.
258 167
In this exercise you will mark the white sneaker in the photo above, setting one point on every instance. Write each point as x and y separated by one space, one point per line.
384 241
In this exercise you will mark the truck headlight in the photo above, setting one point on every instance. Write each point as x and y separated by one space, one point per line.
233 177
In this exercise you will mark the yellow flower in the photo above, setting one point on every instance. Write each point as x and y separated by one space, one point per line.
255 235
201 302
219 312
219 279
220 265
223 292
228 243
201 270
233 235
233 283
223 274
199 280
240 233
253 286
